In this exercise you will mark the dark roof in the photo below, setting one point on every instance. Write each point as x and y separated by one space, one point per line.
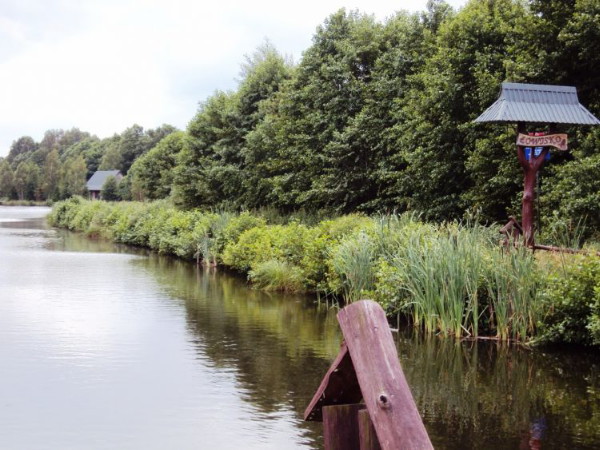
540 103
97 180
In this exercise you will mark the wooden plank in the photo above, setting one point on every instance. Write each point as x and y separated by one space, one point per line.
367 436
339 386
558 141
385 391
340 427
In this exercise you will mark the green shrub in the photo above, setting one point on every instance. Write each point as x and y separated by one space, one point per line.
319 244
63 212
570 297
234 226
264 242
254 246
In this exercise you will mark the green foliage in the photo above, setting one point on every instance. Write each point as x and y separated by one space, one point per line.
6 180
214 167
275 275
130 145
110 189
72 177
570 294
152 173
318 250
263 243
353 261
573 195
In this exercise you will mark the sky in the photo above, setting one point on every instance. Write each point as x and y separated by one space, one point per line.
104 65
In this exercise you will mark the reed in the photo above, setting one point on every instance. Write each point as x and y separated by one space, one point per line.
276 275
353 261
441 272
512 282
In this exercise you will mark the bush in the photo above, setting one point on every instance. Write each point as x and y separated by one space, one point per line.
571 300
318 248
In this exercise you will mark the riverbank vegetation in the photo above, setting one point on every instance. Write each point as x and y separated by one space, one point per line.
451 279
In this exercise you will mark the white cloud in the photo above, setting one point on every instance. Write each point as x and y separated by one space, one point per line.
103 65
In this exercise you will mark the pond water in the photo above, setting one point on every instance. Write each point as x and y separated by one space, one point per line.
105 347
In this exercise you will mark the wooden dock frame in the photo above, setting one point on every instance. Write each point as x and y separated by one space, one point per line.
367 368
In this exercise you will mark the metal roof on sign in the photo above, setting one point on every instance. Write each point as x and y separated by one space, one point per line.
540 103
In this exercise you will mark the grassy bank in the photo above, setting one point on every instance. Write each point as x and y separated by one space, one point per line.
450 279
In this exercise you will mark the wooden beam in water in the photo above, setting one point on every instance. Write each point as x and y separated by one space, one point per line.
385 391
339 387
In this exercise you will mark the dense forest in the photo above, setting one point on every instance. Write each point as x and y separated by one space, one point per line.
376 116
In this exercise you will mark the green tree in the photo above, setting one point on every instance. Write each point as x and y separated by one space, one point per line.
435 133
20 149
26 181
152 173
73 177
301 134
51 175
110 189
111 157
215 166
6 180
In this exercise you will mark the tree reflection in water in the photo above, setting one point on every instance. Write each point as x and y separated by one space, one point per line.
471 394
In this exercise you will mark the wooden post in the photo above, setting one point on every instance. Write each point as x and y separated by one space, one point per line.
367 367
530 170
367 435
340 427
384 388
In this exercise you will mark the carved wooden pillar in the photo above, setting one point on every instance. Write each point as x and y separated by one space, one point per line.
530 169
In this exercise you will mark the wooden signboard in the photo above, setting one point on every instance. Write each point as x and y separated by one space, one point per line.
558 141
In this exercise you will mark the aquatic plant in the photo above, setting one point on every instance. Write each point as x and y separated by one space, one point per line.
276 275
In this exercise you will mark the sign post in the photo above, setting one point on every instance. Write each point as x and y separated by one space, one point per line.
536 104
531 167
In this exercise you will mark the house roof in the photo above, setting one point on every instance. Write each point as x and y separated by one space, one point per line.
540 103
97 180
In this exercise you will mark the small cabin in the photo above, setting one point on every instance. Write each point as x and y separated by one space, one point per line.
95 183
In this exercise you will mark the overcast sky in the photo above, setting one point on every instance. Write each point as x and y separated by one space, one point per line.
103 65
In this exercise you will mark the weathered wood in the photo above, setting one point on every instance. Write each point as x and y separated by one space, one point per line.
558 141
385 391
340 427
367 435
530 170
512 232
551 248
339 386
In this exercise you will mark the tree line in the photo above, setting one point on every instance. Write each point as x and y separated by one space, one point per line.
59 165
378 116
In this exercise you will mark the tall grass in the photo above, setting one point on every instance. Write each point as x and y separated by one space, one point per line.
276 275
353 260
512 280
455 280
441 273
